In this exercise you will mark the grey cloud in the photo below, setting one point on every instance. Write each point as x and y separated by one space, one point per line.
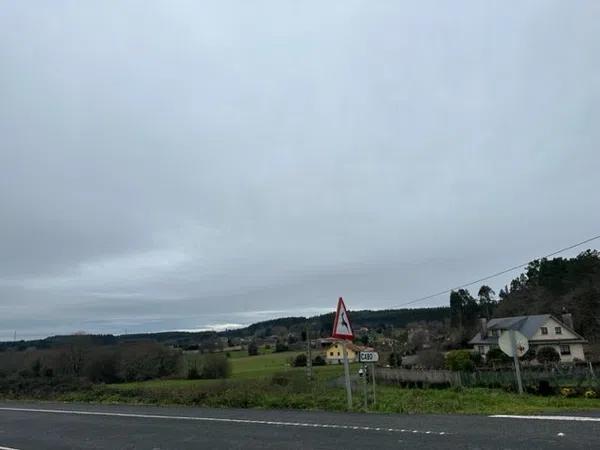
180 167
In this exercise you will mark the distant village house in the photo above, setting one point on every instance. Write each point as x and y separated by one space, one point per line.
542 330
334 354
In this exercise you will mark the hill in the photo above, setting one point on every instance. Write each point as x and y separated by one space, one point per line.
319 325
555 285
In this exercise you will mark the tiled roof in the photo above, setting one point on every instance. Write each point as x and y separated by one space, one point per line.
527 325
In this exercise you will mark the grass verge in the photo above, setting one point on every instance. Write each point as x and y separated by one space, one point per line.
291 391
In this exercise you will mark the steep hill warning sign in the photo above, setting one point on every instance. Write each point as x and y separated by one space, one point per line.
342 329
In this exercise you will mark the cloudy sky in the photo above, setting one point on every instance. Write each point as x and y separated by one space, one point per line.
179 165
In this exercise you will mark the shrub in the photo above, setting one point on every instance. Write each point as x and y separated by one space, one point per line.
102 367
544 388
568 392
495 356
300 360
547 355
319 361
430 359
192 373
395 360
476 358
252 349
147 360
215 366
459 361
590 393
280 347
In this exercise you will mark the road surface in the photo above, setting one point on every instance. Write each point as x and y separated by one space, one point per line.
25 425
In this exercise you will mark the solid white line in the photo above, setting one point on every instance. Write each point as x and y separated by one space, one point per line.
572 418
8 448
213 419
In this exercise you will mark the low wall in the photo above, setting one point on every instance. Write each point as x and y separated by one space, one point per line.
402 376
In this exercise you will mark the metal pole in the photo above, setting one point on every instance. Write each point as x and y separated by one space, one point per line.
309 361
365 385
347 375
513 343
373 375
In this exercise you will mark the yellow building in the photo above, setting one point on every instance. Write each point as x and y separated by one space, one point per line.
335 353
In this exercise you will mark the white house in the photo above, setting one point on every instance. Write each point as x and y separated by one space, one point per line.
542 330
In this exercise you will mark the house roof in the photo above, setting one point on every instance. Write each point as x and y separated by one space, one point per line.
355 348
527 325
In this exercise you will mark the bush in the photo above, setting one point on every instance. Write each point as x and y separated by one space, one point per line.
568 392
547 355
319 361
395 360
147 360
102 368
300 360
193 374
252 349
215 366
279 347
459 361
476 358
496 356
430 359
590 393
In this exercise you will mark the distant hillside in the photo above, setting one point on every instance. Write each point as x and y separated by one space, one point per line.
549 286
361 318
319 325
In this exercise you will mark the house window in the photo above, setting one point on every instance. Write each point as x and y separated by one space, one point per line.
544 330
565 350
338 353
482 350
330 353
558 330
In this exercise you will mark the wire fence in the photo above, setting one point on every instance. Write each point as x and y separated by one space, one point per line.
536 379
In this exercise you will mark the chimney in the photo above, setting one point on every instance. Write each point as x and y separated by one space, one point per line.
483 327
567 319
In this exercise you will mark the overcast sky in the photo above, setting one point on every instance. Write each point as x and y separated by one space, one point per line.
179 165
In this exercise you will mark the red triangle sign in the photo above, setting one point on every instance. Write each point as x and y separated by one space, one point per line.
342 329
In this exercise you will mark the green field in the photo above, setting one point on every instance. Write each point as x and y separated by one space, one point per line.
244 367
269 381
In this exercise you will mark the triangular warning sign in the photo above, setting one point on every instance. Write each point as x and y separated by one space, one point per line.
342 329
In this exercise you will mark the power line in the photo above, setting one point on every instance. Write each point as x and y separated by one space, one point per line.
510 269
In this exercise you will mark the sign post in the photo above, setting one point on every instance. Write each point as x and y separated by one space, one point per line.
309 360
347 375
365 385
371 358
342 329
373 375
515 344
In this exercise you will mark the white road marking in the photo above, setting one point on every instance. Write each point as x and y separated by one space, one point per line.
215 419
572 418
8 448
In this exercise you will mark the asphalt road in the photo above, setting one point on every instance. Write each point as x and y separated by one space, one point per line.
27 426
